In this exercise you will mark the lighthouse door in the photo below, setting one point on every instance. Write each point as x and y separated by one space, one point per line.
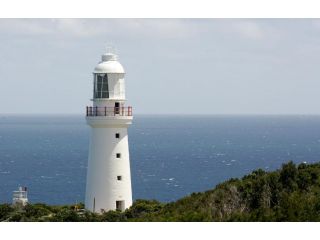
116 108
120 205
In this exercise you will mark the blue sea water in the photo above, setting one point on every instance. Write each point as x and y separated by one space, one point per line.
171 156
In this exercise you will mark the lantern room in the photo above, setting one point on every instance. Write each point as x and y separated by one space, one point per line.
108 79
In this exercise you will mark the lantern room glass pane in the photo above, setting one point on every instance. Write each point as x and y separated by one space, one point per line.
101 89
105 87
105 95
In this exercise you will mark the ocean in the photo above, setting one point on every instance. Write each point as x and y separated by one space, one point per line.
171 156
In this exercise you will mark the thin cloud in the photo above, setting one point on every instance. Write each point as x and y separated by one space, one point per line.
248 29
221 60
164 28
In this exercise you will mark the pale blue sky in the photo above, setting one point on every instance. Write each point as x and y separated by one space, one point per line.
189 66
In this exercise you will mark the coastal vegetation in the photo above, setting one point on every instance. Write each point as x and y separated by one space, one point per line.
291 193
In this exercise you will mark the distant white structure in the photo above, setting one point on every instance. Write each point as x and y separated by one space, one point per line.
108 174
20 197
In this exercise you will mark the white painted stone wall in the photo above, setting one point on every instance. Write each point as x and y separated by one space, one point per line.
104 167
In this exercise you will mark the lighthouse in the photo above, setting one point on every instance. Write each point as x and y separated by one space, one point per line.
108 174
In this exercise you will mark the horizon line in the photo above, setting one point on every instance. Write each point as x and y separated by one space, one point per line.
170 114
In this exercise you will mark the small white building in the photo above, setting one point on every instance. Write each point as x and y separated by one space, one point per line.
20 197
108 173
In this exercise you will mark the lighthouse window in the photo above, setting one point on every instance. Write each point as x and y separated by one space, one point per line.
101 89
105 91
117 135
118 155
120 205
119 178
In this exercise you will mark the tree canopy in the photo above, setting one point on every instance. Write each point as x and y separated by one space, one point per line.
291 193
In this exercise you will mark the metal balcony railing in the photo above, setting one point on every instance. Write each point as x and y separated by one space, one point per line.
109 111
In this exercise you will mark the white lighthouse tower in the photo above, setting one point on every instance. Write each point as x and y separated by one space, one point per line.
108 174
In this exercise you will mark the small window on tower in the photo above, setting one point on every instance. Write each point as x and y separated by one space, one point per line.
117 135
120 205
119 178
118 155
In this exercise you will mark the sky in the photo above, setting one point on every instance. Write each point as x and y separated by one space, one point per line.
173 66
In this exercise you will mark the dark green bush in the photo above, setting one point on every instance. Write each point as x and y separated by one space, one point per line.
291 193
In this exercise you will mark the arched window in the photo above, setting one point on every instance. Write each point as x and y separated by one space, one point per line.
101 89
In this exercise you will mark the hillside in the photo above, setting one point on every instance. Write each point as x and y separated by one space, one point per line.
291 193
